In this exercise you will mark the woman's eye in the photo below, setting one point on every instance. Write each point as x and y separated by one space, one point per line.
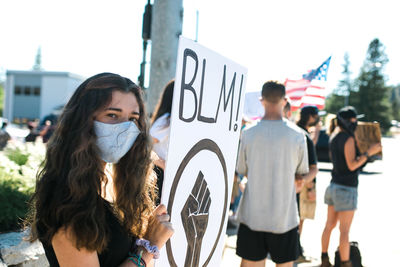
133 119
111 115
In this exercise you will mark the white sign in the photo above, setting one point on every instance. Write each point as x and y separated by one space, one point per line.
205 126
253 108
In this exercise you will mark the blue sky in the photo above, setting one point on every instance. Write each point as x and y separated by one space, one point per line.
273 39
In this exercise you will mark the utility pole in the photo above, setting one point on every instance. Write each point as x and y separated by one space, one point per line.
146 36
167 17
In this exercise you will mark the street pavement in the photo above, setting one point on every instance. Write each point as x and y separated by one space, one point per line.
376 225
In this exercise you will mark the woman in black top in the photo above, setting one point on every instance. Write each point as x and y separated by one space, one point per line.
306 207
90 213
341 195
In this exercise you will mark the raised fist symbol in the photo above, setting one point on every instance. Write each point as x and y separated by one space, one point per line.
195 219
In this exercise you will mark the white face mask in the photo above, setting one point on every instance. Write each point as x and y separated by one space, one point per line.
115 140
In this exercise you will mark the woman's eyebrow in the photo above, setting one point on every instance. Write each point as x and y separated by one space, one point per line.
114 109
120 110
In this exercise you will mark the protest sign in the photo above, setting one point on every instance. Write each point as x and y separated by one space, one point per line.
253 109
368 133
205 127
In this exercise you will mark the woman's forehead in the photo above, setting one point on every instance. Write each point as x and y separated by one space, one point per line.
124 100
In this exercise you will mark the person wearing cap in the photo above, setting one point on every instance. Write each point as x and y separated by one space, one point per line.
306 197
341 194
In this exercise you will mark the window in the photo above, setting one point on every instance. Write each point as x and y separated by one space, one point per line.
36 90
27 90
17 90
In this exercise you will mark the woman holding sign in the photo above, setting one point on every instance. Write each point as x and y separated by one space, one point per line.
94 196
341 195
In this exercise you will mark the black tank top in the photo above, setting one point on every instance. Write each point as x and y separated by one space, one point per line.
117 248
340 172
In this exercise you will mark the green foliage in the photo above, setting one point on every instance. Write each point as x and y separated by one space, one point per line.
372 97
19 164
17 155
14 197
395 100
369 93
346 84
334 102
341 95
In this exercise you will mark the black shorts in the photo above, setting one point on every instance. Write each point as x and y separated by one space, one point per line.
255 246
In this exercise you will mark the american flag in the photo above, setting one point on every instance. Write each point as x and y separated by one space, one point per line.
310 90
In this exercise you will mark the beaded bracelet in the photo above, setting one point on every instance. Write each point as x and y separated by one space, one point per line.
150 249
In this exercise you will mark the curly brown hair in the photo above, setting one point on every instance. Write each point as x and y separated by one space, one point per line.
69 187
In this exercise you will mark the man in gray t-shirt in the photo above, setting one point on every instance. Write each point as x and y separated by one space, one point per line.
271 154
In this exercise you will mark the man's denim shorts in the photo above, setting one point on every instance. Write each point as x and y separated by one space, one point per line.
342 197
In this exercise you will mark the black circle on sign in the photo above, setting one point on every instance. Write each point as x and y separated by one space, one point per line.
204 144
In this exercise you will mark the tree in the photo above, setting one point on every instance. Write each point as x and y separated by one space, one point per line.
345 85
372 96
341 94
334 102
395 100
38 60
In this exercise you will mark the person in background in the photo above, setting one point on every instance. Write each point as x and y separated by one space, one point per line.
4 135
314 130
287 110
160 128
306 197
287 114
341 195
271 153
237 188
31 137
47 131
93 203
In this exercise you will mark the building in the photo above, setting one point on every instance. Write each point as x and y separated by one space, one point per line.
34 94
